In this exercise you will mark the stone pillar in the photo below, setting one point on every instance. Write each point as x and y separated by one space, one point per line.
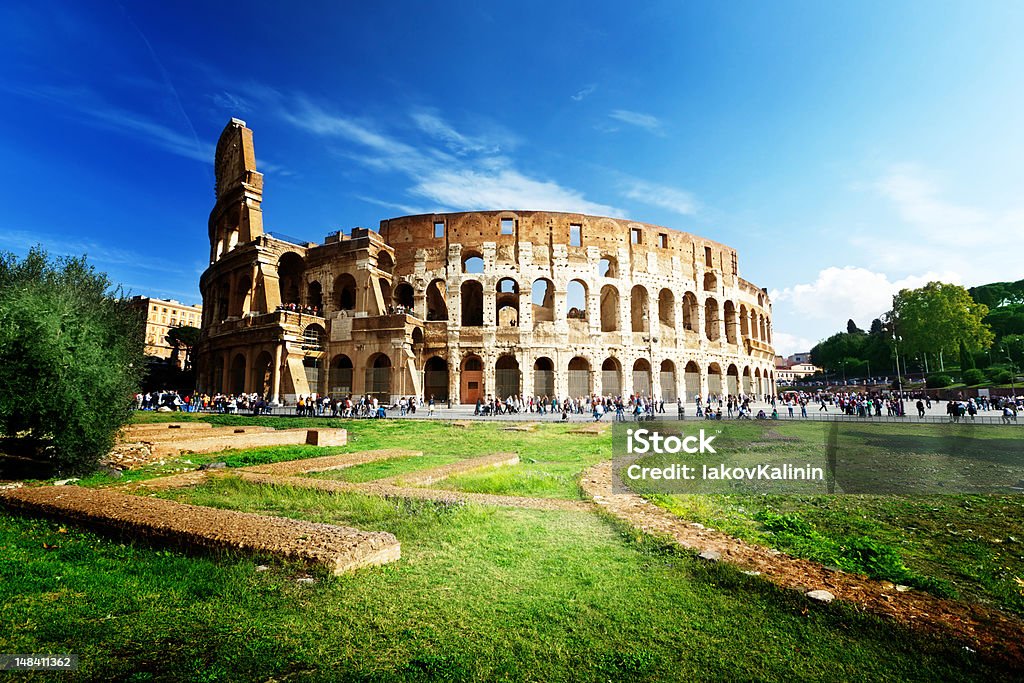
275 391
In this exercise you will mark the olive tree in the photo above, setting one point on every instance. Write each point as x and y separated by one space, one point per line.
70 357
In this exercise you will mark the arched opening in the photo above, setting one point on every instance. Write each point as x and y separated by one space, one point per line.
435 379
236 378
339 384
667 308
730 322
542 296
576 300
639 310
710 282
315 295
472 262
506 303
608 267
385 295
667 383
611 377
507 377
217 374
240 296
690 312
758 385
609 309
732 380
385 262
748 386
437 302
403 296
472 304
744 322
472 385
417 338
578 376
378 377
712 327
642 377
691 378
544 377
290 270
263 374
313 338
715 380
761 328
345 292
754 333
222 302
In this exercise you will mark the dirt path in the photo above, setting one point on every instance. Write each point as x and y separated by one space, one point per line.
999 635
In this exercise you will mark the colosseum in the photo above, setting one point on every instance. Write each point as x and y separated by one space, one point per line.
466 306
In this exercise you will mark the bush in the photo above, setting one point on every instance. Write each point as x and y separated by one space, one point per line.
1002 377
70 358
973 377
938 380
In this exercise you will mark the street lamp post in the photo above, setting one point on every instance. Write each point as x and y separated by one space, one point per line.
1013 374
651 341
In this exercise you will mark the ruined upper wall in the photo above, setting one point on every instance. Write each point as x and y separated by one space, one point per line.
472 230
235 159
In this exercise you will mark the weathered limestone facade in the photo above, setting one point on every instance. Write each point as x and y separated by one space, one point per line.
463 306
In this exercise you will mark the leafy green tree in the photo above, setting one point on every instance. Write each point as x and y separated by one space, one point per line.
938 317
851 327
183 338
70 357
966 359
877 327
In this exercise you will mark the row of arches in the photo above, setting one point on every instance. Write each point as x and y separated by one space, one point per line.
607 266
235 297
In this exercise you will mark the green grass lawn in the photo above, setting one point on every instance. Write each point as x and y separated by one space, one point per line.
497 593
480 594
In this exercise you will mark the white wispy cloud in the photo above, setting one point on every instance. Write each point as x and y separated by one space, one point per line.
468 173
469 189
638 119
88 106
670 198
584 92
431 123
405 209
930 230
20 240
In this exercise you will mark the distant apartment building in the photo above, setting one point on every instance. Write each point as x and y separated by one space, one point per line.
803 357
162 315
790 370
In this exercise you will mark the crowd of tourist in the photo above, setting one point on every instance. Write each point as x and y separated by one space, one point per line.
790 404
298 308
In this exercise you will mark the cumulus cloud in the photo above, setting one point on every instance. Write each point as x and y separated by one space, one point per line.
838 294
787 344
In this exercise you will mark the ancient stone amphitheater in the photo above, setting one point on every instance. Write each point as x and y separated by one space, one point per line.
462 306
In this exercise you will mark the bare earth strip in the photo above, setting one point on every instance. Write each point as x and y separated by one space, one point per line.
339 549
409 492
997 634
428 477
330 462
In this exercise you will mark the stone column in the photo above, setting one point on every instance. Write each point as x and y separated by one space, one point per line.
275 391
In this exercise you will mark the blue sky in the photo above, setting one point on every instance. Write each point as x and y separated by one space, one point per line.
845 149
